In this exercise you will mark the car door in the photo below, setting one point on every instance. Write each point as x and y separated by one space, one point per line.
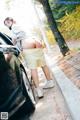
19 93
10 86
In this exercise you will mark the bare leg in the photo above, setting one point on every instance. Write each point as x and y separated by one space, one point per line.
39 90
49 83
35 78
46 72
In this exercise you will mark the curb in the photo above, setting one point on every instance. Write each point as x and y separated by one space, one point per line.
69 91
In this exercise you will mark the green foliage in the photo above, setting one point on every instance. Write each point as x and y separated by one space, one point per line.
59 9
67 15
70 25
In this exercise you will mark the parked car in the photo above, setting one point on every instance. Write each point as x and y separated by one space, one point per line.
15 88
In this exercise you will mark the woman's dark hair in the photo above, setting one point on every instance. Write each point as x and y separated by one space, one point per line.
8 18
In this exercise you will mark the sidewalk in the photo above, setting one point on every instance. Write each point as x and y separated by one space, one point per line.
70 64
64 99
71 67
52 106
68 88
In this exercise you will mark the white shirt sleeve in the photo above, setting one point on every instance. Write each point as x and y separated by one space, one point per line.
18 34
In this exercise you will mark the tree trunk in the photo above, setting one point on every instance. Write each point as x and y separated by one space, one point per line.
52 23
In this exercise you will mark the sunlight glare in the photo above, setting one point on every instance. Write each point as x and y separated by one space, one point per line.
23 13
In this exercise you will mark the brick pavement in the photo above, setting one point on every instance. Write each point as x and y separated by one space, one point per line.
71 67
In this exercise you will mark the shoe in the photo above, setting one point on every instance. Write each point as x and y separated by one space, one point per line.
48 84
39 91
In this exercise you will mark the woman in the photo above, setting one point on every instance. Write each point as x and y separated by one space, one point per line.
35 58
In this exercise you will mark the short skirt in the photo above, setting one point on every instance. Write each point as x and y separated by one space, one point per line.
34 57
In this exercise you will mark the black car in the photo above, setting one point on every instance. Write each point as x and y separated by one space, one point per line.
15 89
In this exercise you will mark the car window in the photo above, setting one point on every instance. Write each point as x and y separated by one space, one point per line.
4 39
2 42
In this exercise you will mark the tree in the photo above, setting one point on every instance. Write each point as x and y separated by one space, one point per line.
52 23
